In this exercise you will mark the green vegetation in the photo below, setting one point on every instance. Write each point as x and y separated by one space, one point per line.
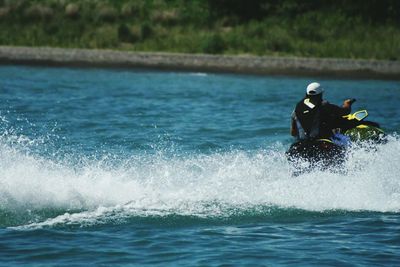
325 28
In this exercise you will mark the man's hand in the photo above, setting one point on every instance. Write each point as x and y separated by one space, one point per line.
348 102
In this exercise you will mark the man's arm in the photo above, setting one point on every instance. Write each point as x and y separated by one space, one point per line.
345 109
337 114
293 126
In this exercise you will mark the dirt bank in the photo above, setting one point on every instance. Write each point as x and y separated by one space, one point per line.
195 62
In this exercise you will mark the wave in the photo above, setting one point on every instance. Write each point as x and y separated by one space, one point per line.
38 191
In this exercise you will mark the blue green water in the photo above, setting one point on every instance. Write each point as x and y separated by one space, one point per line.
132 167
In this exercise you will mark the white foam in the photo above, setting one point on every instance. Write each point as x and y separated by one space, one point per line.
201 74
196 185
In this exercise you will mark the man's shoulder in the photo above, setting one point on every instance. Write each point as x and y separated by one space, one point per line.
299 106
301 102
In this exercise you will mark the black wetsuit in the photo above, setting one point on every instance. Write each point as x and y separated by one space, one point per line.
316 118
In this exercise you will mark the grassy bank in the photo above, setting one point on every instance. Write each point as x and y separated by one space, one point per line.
344 29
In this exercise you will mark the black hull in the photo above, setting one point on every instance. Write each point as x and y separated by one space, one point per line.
305 156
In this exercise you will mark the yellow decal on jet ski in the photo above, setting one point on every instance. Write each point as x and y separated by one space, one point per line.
325 140
359 115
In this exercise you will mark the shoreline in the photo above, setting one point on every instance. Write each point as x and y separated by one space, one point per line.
260 65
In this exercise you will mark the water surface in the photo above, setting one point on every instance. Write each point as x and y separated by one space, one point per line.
136 167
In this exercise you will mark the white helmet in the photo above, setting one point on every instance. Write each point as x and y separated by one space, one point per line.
314 89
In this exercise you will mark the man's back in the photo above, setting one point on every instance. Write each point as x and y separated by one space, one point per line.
307 115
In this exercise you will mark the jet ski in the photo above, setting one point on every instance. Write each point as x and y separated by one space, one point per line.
306 155
364 130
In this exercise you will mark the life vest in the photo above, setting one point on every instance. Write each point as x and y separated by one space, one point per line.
308 119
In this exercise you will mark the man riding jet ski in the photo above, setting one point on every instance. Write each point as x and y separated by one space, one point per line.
314 118
318 127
